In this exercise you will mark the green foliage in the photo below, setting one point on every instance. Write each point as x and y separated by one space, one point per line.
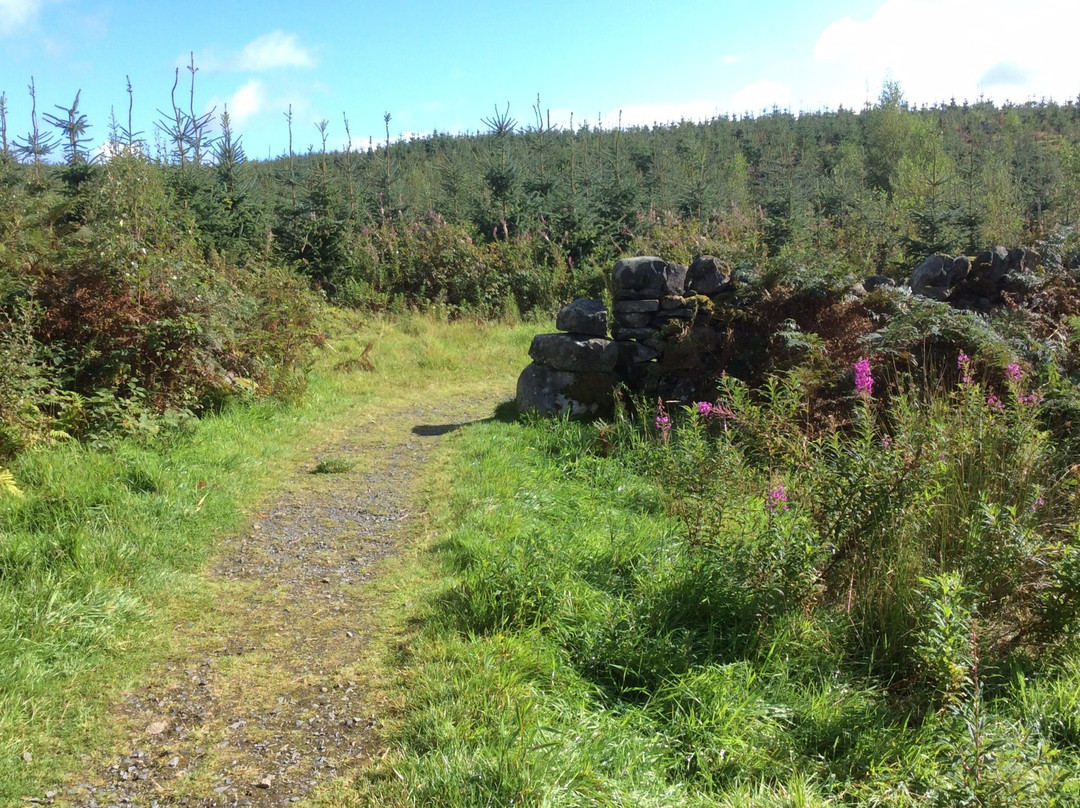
879 611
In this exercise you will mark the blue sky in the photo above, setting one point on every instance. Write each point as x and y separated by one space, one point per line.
446 65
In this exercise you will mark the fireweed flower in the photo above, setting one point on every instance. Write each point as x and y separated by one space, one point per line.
704 408
1032 399
864 382
886 442
994 403
777 498
1038 503
1013 373
663 422
963 364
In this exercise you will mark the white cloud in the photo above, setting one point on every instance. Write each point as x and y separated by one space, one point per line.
249 100
276 49
268 52
942 49
761 96
16 13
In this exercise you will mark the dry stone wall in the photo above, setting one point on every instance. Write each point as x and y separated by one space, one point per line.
577 370
669 325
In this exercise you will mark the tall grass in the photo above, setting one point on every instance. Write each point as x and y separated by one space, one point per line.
879 614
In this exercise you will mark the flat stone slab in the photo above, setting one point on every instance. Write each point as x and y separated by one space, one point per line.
583 316
641 334
636 307
574 352
647 272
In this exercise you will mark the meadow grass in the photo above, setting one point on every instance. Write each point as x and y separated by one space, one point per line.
626 616
102 553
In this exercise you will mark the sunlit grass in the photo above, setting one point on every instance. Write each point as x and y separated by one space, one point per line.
106 543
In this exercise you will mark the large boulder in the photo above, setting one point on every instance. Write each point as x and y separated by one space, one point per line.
583 316
582 395
959 270
932 272
571 352
990 266
707 275
646 277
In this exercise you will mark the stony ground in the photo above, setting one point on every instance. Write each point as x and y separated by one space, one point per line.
270 694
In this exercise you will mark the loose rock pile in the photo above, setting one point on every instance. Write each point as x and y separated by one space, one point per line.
577 371
978 283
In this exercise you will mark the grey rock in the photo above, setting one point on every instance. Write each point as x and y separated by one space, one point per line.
574 353
933 271
635 353
684 313
939 293
990 266
582 395
647 272
583 316
958 272
626 295
707 275
641 334
876 282
634 320
635 307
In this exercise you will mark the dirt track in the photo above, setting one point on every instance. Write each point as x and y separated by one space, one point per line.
270 694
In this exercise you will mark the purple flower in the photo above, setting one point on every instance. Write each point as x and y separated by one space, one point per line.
963 363
864 381
704 408
1038 503
777 498
1032 399
663 422
886 442
994 403
1013 373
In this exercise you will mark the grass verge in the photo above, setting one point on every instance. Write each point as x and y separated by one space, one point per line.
103 552
589 641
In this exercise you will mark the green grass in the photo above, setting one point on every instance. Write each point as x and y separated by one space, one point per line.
623 620
333 465
103 552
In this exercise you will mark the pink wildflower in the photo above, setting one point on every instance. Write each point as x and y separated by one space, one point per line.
777 498
663 422
704 408
963 363
994 403
864 381
1013 373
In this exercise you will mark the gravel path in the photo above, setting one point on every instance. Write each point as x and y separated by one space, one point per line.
271 697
